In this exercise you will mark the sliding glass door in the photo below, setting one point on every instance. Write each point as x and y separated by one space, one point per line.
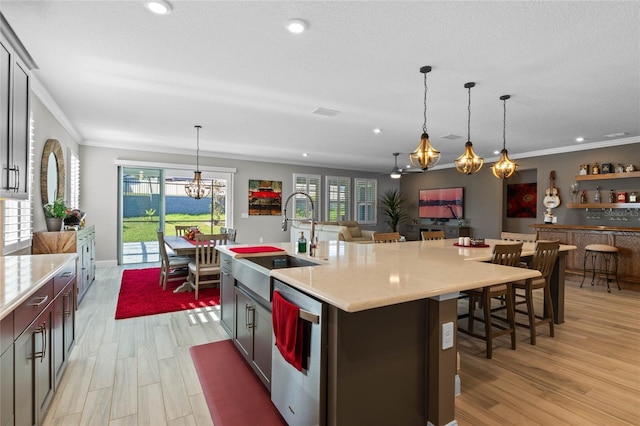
141 214
155 198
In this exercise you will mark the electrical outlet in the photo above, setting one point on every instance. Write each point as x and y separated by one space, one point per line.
261 240
447 335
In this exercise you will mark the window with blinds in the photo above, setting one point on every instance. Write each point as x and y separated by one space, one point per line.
366 193
73 190
17 225
338 190
309 184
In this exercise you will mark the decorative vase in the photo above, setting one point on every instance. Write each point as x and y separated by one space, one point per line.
54 224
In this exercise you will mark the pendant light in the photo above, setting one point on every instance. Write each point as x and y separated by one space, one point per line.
425 155
396 173
196 188
504 168
469 162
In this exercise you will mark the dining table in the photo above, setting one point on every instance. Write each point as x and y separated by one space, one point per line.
483 252
180 245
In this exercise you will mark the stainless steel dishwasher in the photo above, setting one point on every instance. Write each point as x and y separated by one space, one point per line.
300 396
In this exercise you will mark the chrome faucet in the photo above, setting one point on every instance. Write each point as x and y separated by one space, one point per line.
312 242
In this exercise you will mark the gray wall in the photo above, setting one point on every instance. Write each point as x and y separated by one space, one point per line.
46 126
98 192
484 194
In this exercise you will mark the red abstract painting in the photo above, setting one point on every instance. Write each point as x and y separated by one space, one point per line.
522 200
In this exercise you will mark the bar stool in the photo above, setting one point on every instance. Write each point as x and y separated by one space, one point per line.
608 254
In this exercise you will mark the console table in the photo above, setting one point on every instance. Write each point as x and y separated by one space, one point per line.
412 232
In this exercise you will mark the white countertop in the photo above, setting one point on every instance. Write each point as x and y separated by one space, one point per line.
355 277
21 276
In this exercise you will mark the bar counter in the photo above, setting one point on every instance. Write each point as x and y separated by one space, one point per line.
626 239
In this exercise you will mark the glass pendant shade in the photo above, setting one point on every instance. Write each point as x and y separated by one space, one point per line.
425 155
469 163
197 188
504 167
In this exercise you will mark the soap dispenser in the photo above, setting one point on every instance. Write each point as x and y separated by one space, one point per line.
302 243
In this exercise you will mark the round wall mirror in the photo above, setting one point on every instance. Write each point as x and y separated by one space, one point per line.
52 172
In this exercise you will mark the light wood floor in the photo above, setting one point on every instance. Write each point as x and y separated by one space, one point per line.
138 371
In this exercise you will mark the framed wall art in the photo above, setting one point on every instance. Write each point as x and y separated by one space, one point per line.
265 197
522 200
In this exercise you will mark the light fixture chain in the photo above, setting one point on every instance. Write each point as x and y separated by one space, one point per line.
197 148
424 125
504 124
469 117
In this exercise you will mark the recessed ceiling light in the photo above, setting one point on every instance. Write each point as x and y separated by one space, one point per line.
496 152
161 7
305 154
376 130
296 26
580 139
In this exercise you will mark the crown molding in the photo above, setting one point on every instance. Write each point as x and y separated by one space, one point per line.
45 97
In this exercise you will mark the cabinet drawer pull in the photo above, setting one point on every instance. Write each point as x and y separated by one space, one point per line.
43 299
67 274
66 304
249 316
43 333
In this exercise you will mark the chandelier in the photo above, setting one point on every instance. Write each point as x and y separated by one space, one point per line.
197 188
504 168
425 155
469 162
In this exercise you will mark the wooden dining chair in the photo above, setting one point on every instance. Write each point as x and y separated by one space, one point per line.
386 237
172 268
432 235
503 254
544 259
182 230
205 268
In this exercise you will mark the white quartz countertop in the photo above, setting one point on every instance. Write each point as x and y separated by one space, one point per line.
355 277
23 275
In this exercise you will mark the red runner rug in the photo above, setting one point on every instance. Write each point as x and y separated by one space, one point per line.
141 294
234 394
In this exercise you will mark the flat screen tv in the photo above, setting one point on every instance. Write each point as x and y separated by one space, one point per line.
441 203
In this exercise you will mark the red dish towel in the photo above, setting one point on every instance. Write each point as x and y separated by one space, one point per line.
287 329
259 249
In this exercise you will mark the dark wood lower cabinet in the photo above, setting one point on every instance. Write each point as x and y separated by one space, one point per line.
63 329
6 387
253 334
31 366
34 382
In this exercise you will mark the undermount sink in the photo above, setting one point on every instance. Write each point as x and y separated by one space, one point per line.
280 261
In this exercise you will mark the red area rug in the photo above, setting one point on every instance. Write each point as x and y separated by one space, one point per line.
140 295
234 394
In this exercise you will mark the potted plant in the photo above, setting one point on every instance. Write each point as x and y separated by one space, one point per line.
392 203
54 214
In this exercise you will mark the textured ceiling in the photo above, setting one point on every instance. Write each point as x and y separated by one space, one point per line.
127 78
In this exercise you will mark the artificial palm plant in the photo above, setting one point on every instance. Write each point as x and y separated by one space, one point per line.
392 208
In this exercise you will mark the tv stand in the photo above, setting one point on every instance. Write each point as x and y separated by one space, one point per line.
412 232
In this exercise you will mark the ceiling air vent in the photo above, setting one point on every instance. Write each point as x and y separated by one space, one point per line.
615 135
325 111
450 136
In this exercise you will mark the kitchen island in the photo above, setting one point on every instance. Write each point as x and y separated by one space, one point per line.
386 305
